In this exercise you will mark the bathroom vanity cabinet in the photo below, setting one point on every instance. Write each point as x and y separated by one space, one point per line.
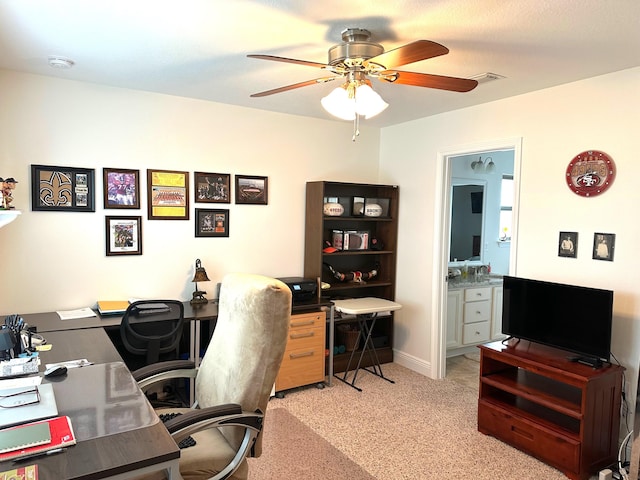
474 316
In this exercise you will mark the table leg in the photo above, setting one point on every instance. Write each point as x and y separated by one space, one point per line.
365 331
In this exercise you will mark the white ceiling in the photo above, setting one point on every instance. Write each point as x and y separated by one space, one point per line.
198 48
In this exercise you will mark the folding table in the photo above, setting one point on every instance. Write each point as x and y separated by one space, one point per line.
366 310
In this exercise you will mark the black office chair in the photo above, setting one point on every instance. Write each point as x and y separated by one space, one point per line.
151 330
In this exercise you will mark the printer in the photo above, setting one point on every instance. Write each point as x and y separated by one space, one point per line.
302 289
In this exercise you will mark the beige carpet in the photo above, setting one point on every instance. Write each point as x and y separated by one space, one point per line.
295 451
415 429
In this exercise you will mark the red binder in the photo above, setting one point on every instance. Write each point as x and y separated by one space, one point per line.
61 436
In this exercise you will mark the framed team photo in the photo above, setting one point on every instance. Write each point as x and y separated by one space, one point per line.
168 195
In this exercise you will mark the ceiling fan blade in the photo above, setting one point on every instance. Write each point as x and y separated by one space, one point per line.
454 84
288 60
294 86
409 53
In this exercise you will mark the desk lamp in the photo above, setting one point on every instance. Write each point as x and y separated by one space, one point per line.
199 276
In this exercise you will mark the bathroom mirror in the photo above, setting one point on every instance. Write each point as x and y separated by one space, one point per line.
467 220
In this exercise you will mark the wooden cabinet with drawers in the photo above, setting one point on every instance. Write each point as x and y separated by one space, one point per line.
564 413
303 362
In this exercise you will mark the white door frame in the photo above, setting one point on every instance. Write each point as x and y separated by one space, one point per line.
441 247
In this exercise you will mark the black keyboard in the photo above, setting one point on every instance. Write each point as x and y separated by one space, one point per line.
187 442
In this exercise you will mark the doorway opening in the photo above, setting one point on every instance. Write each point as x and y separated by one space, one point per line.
455 166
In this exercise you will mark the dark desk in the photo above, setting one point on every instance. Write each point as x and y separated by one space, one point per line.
51 322
119 435
93 344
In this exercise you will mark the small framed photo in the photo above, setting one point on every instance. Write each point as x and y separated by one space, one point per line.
568 244
121 188
62 189
212 187
123 235
251 190
168 195
604 245
212 223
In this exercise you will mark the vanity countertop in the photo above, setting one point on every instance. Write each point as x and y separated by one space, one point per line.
492 281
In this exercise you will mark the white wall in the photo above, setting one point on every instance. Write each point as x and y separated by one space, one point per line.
56 260
601 113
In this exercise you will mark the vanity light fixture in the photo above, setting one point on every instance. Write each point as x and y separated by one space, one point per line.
479 166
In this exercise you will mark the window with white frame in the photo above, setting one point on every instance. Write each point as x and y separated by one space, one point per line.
506 208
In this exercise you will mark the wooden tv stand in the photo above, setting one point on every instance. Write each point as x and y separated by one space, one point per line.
564 413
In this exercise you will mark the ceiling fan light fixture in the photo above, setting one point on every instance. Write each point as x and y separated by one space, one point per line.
368 102
338 104
348 100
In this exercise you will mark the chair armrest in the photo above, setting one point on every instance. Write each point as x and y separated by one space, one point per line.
161 371
193 421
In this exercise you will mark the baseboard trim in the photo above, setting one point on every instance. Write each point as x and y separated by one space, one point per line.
412 363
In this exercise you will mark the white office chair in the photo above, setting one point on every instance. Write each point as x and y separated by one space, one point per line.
234 381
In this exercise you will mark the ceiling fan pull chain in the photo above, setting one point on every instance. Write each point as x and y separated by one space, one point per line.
356 127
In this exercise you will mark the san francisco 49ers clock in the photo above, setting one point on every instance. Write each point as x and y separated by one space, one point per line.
590 173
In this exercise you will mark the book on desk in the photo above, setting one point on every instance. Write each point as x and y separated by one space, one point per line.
112 307
35 438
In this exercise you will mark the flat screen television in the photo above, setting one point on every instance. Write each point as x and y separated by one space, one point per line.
568 317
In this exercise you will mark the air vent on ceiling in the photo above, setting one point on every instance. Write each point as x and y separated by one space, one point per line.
60 62
487 77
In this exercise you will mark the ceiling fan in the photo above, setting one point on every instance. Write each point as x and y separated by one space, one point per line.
357 58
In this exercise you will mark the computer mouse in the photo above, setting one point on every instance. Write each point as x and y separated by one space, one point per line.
55 371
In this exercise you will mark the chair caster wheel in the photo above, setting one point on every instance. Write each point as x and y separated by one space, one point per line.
279 394
320 385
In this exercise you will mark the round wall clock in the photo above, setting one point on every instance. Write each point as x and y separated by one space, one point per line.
590 173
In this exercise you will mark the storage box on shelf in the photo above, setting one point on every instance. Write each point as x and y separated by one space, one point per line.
363 208
564 413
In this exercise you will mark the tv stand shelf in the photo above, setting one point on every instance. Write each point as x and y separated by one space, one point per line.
564 413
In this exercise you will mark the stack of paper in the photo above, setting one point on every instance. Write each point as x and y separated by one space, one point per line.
73 314
106 307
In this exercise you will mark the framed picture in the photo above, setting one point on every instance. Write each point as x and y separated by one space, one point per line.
568 244
62 189
121 188
168 193
604 245
251 190
123 235
212 223
212 187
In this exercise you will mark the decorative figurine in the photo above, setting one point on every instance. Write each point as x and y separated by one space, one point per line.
7 186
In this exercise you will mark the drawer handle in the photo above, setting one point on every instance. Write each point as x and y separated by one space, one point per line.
301 335
522 433
300 324
300 355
